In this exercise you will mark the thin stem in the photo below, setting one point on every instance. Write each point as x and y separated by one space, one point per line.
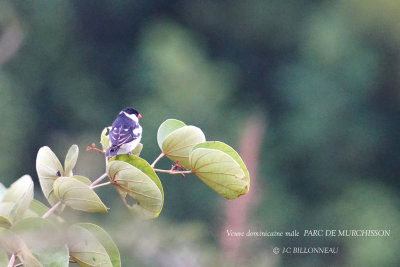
100 185
98 180
173 172
51 210
12 261
157 159
19 264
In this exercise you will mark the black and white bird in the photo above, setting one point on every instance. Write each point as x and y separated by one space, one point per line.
125 133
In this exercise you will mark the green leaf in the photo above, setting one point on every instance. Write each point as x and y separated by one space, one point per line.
28 259
176 140
86 249
77 195
5 218
105 240
136 151
134 176
83 179
70 160
220 171
12 243
166 128
7 239
228 150
4 258
38 207
104 139
47 167
43 240
2 191
20 193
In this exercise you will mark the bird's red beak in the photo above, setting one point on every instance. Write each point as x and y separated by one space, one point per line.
139 116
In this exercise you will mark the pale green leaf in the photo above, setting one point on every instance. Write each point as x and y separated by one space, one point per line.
136 151
228 150
106 241
48 167
178 144
2 191
38 207
11 242
28 259
43 240
5 210
78 195
219 171
70 160
20 193
4 258
104 139
135 177
86 249
83 179
166 128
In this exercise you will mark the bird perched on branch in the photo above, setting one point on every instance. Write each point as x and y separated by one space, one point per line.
125 133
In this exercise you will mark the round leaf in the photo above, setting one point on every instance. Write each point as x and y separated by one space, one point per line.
219 171
43 240
70 160
178 144
86 249
78 195
104 139
20 193
166 128
134 176
48 168
12 243
228 150
104 238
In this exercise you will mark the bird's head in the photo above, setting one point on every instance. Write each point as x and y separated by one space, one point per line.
131 112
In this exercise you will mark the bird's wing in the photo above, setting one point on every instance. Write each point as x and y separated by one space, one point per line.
122 135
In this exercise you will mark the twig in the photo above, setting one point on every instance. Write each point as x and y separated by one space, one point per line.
173 172
12 261
94 148
19 264
98 180
100 185
157 159
51 210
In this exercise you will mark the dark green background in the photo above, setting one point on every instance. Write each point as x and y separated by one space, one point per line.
322 75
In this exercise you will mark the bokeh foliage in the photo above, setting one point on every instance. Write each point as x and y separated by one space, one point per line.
324 73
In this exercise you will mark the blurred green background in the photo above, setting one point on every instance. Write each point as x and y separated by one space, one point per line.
320 79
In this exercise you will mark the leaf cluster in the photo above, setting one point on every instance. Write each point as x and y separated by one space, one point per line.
33 235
